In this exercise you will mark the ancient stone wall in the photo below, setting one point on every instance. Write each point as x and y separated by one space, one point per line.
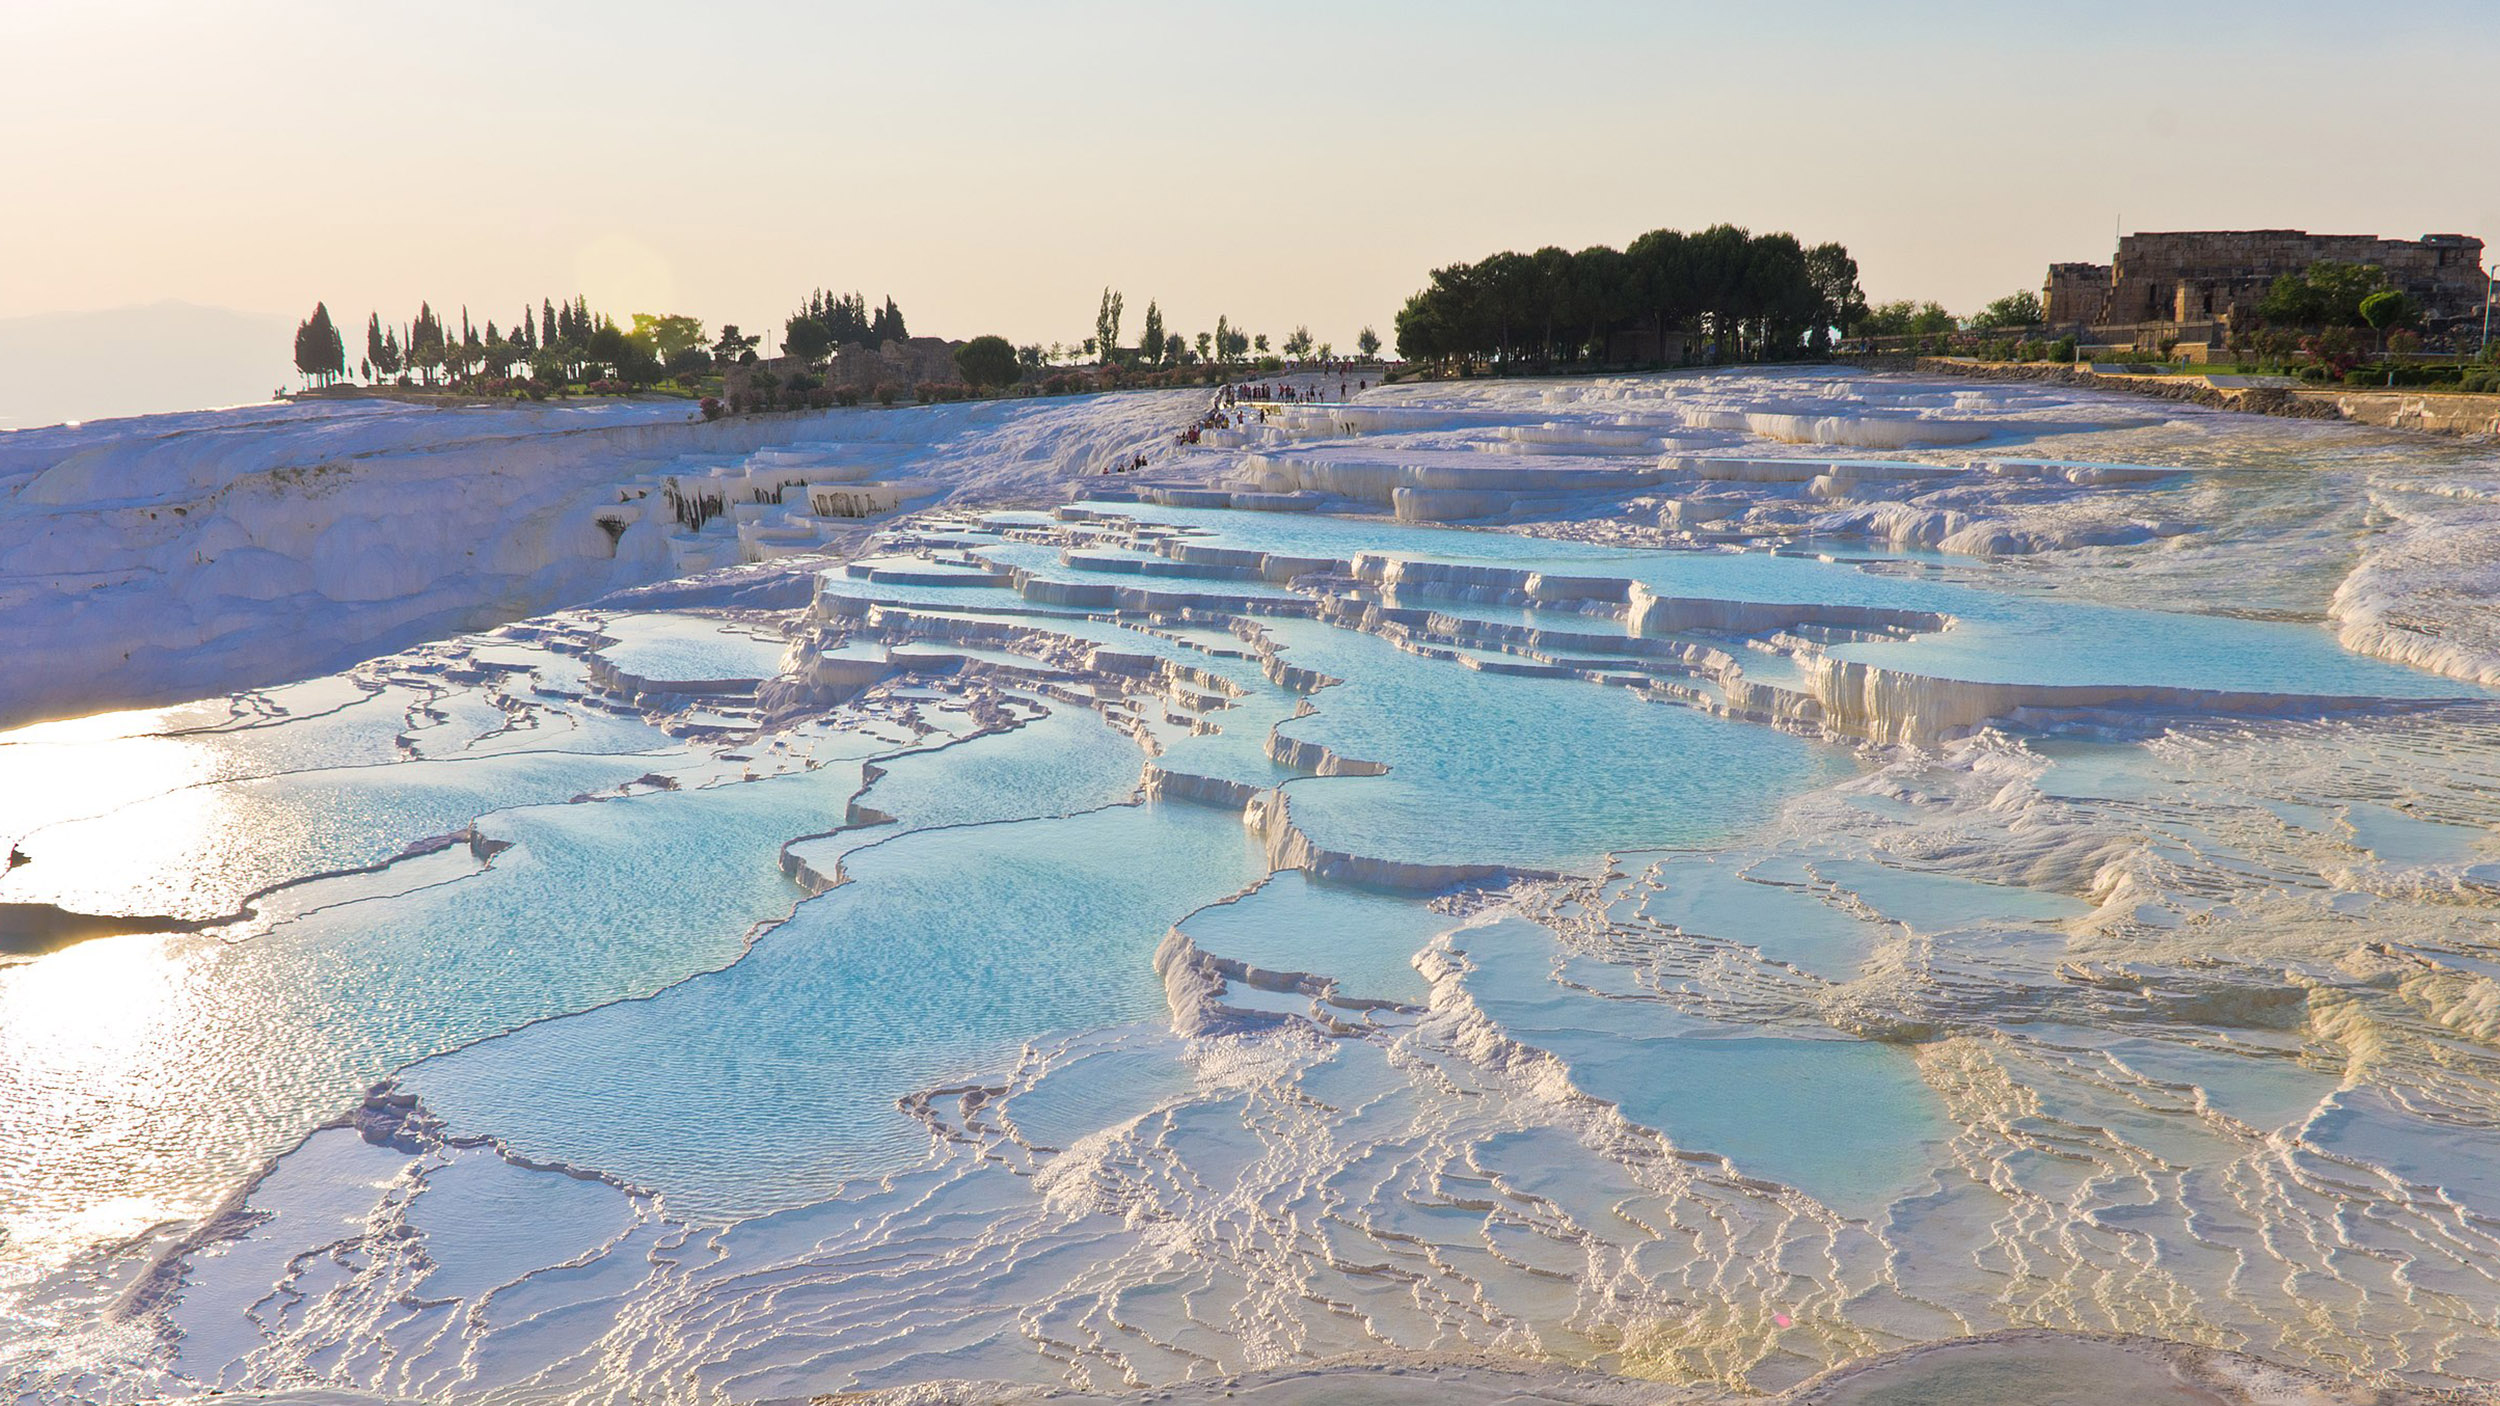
2076 295
902 364
2219 276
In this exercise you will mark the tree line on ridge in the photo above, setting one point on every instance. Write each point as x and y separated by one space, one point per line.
1723 294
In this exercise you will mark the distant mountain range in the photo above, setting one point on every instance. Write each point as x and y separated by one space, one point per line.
137 361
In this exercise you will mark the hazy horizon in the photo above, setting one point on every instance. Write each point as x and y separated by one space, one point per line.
1282 164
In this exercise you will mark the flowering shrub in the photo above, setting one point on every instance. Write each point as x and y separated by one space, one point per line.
2335 348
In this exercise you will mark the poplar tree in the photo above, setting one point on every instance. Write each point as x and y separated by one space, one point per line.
1150 345
1107 324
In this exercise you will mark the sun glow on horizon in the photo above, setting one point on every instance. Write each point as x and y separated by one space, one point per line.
621 275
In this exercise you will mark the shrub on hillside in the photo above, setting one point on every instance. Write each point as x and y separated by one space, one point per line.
988 361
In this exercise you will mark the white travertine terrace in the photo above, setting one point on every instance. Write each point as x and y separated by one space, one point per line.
1731 923
213 552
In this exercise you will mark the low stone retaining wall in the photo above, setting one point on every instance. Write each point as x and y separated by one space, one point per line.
2434 412
2440 412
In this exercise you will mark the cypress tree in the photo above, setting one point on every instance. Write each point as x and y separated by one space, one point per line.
425 341
304 358
319 351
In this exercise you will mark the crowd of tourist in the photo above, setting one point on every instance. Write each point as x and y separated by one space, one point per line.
1235 407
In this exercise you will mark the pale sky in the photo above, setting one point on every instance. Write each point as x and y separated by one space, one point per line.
993 166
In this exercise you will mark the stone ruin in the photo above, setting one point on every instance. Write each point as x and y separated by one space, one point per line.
2205 285
904 364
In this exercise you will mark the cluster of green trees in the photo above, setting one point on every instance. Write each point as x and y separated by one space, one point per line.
2017 309
552 345
1904 318
1996 332
1158 345
1755 297
558 344
2330 293
825 322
